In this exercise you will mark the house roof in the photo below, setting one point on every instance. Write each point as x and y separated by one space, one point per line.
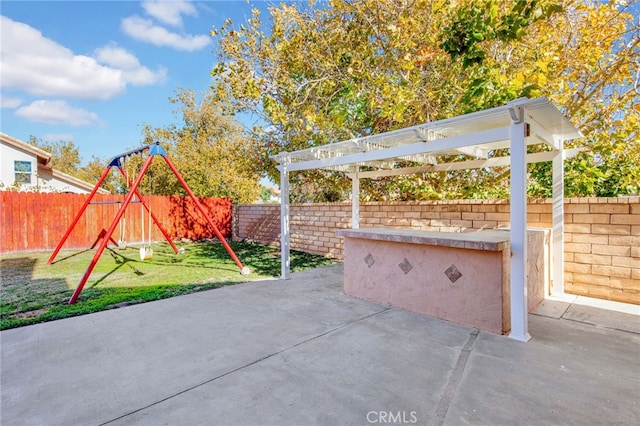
44 158
79 183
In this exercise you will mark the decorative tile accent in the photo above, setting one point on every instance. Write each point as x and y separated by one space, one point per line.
369 260
405 266
453 274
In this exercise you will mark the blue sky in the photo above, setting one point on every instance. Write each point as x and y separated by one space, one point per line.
94 72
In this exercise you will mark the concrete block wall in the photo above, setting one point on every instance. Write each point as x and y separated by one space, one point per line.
602 235
312 226
602 248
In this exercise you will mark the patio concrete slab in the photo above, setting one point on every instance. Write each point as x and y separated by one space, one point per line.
301 352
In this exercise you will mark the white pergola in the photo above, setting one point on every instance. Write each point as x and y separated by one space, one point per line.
476 136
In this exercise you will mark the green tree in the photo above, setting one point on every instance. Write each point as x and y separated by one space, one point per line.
354 68
65 155
585 57
92 171
210 150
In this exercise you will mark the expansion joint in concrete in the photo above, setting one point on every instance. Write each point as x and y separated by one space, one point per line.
454 380
257 361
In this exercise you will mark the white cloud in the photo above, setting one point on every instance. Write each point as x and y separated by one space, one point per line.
10 102
169 12
117 57
145 30
57 112
40 66
132 71
57 137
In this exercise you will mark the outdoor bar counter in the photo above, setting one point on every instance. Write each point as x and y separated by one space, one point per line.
459 277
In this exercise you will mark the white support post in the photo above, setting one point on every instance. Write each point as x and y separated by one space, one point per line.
557 233
518 279
355 199
284 223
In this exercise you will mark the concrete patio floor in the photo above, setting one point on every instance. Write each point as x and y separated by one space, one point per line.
300 352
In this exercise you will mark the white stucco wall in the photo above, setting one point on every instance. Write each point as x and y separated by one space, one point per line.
48 183
43 178
8 155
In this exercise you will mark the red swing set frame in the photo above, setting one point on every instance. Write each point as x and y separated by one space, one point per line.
154 149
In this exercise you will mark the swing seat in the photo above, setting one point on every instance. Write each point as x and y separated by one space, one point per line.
146 253
122 244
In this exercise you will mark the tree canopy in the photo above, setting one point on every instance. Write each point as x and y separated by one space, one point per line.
321 74
211 151
65 155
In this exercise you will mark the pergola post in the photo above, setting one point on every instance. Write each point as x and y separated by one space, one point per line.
284 223
518 280
557 233
355 199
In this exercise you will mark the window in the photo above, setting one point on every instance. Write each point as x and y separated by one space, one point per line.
22 171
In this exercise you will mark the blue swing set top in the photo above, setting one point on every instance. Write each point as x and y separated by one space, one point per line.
154 149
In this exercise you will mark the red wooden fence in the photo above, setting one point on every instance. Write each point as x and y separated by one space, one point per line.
31 221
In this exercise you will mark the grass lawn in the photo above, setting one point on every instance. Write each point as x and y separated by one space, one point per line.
32 291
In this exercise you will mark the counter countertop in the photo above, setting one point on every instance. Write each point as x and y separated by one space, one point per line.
490 240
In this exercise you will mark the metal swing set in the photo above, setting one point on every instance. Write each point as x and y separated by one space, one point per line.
134 196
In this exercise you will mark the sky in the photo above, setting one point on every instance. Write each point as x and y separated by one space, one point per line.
95 72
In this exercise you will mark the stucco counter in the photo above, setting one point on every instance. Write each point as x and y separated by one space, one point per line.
459 277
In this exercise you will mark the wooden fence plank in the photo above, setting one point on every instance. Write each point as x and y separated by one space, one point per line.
24 222
6 236
37 221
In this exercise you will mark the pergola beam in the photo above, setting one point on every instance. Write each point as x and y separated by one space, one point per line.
481 137
543 134
537 157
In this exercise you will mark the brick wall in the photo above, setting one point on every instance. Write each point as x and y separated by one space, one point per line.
602 248
602 235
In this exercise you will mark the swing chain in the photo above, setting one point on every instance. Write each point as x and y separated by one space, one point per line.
122 242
